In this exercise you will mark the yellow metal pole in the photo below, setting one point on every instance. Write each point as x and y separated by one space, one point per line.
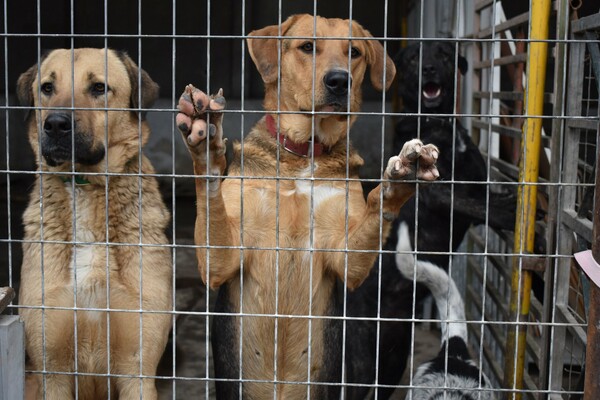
527 199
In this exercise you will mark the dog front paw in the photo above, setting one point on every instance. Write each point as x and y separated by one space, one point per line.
200 122
416 160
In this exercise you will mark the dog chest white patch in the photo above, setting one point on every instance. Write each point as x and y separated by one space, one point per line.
320 193
82 258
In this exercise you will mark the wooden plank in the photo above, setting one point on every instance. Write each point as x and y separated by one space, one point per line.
12 357
579 123
563 315
502 129
570 151
512 96
511 23
514 59
560 57
578 225
591 22
505 130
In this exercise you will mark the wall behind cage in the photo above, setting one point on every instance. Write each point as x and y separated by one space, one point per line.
190 20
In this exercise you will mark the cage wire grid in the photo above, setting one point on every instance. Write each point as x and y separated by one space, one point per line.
484 258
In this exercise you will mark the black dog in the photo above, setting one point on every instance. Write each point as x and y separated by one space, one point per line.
465 163
445 213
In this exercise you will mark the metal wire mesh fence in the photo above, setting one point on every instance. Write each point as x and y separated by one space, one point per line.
107 273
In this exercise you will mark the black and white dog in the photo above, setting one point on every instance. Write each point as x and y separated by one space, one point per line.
446 210
452 374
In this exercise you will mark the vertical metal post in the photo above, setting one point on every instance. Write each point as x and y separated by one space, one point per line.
12 351
554 195
592 351
527 199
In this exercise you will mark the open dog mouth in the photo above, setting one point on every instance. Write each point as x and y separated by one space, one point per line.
432 91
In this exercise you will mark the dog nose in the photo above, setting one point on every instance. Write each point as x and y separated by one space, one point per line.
57 125
428 69
337 82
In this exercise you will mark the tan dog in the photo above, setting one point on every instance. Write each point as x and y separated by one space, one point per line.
300 237
74 209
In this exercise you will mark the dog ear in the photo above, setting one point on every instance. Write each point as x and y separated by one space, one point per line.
461 62
264 51
378 59
463 65
25 88
149 88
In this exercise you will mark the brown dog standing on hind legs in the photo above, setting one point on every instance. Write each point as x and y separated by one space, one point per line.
292 264
75 229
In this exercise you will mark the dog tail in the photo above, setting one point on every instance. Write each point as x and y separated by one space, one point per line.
447 298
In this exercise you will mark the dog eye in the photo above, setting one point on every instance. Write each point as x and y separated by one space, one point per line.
354 52
47 88
307 47
98 89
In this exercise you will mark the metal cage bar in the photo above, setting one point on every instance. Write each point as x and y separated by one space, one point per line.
552 354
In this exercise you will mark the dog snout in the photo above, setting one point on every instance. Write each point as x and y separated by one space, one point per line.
58 125
337 82
429 70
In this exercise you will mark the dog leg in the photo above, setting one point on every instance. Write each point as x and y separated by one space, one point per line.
57 341
57 387
128 353
415 160
199 120
129 388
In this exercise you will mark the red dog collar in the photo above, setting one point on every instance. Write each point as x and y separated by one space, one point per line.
299 149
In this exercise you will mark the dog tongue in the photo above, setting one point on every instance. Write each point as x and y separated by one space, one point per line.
431 91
